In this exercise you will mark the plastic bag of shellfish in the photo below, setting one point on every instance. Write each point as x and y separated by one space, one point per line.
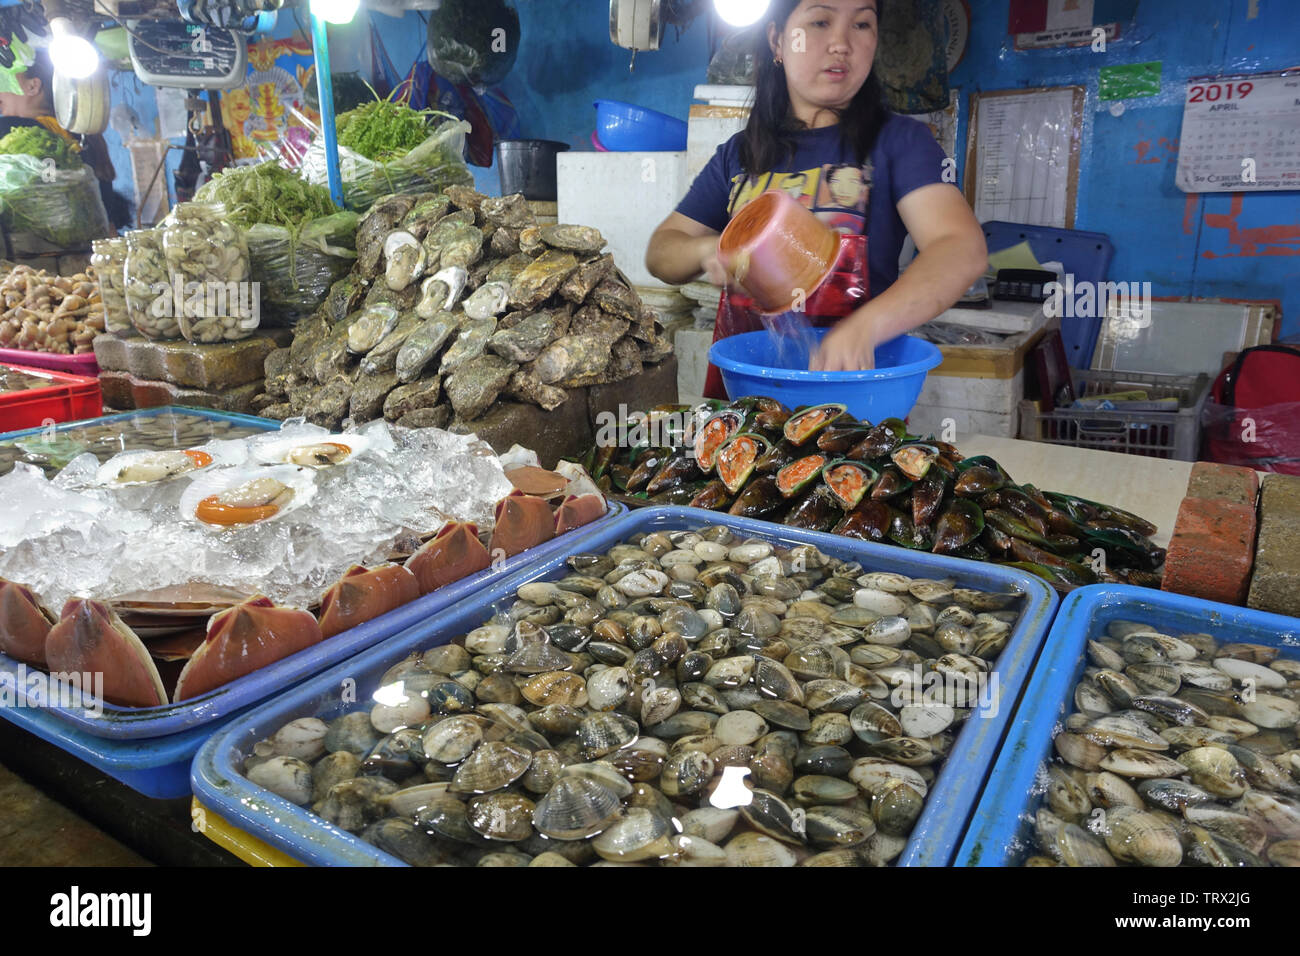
149 303
295 268
432 166
212 293
108 256
62 206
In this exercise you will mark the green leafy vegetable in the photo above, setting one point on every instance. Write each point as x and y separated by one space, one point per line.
384 130
267 193
41 143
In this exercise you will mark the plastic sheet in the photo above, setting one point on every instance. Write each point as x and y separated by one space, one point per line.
109 260
432 166
146 283
1266 438
295 268
61 206
207 264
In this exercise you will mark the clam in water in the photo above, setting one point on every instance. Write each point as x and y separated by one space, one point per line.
1181 751
689 698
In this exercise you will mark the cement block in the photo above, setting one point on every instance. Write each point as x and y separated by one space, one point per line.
207 367
1280 494
1223 482
1275 585
151 394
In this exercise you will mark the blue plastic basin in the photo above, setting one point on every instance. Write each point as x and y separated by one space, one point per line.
1000 832
625 127
220 785
757 363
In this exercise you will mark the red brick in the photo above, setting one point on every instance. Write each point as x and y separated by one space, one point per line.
1212 551
1223 482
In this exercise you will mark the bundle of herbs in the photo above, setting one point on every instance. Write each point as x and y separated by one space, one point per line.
267 193
385 129
41 143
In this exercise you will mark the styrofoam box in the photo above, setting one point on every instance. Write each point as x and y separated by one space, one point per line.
625 196
977 406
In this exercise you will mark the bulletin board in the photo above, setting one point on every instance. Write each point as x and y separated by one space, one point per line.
1240 134
1023 151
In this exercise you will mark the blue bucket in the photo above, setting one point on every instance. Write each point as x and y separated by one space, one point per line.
220 785
625 127
1001 829
757 363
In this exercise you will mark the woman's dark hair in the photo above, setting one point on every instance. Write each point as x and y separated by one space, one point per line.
769 135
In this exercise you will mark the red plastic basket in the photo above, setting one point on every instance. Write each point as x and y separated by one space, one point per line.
83 364
68 398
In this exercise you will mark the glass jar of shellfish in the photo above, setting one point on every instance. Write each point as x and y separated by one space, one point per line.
148 299
108 256
207 262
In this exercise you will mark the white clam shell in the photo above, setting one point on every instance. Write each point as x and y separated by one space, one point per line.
212 483
108 474
281 451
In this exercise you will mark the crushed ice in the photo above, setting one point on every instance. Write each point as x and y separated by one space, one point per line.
67 537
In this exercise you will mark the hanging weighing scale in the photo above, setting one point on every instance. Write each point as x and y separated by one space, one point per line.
188 55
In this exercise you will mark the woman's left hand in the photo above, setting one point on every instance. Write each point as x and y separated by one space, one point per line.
850 346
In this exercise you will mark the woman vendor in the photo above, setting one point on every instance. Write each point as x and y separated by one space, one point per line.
820 131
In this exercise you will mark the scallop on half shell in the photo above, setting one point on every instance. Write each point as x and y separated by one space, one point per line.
313 451
236 497
132 468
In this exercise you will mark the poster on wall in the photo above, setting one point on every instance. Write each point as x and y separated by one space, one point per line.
1240 134
1045 24
268 117
943 124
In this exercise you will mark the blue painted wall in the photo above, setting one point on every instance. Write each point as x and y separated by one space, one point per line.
1180 243
566 62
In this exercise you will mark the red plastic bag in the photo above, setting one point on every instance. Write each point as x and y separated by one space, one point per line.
1252 417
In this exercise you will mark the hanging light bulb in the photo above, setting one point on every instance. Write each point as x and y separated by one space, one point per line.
71 55
741 13
335 11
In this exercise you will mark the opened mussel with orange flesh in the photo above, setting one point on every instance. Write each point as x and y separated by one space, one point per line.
253 501
803 425
849 482
717 431
736 461
914 460
798 475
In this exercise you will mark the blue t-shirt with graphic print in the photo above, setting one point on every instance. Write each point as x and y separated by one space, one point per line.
823 175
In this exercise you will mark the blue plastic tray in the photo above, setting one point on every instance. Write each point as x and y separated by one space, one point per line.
999 832
1085 255
156 768
219 784
130 723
